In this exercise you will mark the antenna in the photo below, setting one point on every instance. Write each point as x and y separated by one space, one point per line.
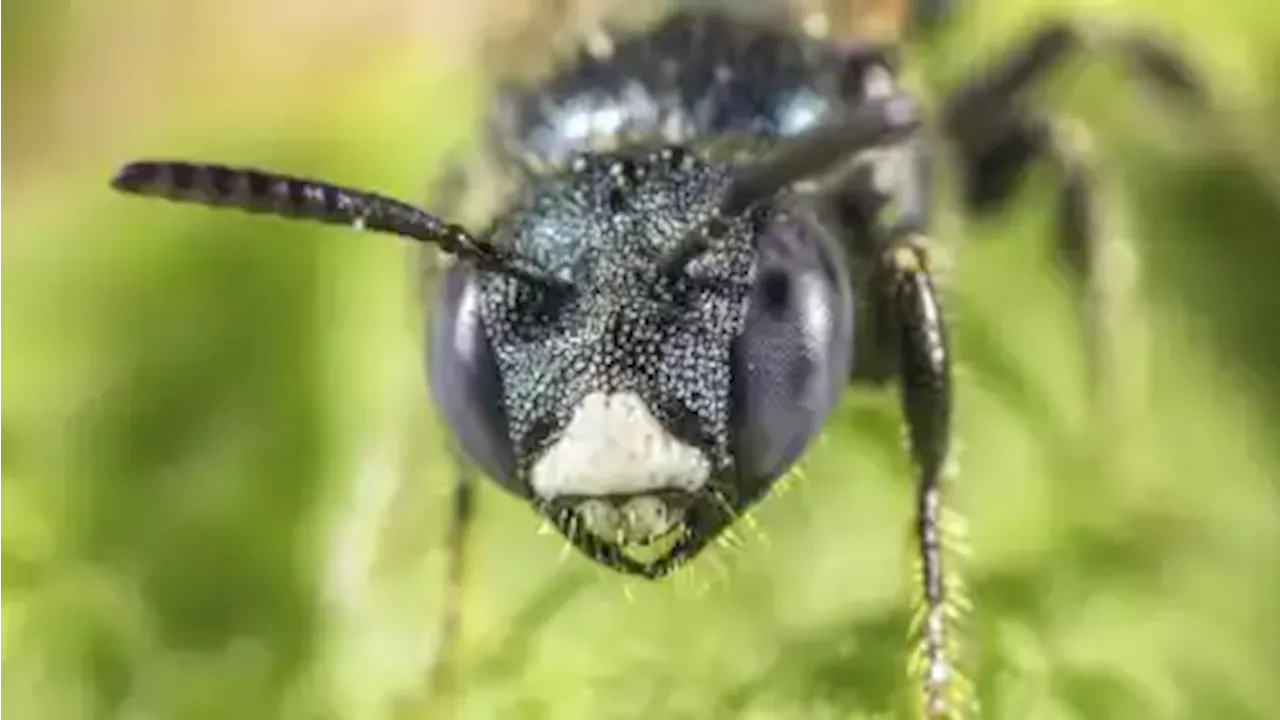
870 124
259 191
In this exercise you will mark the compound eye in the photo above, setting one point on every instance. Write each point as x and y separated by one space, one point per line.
464 378
793 358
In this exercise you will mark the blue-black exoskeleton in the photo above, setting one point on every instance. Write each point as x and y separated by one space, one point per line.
671 366
717 223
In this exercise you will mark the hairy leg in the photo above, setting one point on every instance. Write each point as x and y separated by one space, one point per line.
924 376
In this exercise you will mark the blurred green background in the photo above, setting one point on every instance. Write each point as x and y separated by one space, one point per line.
224 489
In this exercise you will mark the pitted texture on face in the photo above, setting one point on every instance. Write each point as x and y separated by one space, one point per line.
624 326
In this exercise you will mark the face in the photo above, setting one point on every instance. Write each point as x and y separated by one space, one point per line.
656 393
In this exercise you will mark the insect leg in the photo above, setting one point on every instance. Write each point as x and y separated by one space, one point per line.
998 138
991 176
441 682
924 374
980 112
446 196
1079 235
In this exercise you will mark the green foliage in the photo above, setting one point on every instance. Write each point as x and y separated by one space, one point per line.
224 490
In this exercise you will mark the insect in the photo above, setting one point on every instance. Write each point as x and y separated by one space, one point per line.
721 222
